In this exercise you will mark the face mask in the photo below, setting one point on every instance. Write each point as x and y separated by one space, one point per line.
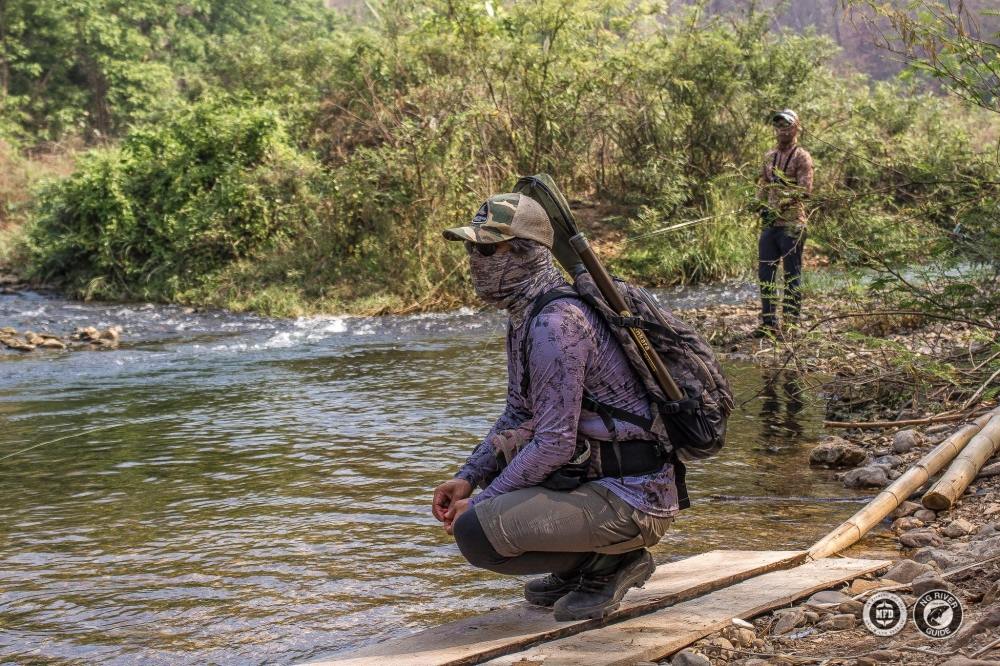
500 279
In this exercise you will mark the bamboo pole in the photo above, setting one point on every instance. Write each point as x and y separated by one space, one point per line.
890 498
965 467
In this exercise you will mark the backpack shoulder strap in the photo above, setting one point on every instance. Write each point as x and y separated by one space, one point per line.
791 156
536 308
590 402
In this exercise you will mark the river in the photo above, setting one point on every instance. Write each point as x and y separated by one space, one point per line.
234 489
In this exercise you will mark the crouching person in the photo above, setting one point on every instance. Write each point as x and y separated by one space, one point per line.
557 498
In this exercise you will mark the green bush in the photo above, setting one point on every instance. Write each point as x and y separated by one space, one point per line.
173 204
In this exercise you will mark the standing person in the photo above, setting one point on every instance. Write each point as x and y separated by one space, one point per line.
786 180
555 498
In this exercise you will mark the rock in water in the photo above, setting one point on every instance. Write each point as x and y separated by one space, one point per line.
19 344
866 477
905 440
837 453
925 515
86 333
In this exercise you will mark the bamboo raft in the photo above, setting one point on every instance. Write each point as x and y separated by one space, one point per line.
691 598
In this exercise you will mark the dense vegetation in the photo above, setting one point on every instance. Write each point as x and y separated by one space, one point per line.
269 154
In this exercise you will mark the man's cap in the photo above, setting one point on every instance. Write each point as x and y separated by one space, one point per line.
785 114
504 217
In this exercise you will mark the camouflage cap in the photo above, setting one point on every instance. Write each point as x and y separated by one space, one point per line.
504 217
787 115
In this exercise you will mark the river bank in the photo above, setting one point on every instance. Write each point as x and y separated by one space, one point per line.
861 357
957 550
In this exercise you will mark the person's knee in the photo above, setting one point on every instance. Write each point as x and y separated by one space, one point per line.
472 542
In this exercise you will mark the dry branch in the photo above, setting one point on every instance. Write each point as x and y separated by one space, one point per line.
869 425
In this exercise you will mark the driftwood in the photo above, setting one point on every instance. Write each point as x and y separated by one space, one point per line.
872 425
889 499
965 467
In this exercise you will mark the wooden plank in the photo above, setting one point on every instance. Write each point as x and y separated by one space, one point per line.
657 635
474 639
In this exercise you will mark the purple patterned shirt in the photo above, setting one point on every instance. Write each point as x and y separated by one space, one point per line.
571 348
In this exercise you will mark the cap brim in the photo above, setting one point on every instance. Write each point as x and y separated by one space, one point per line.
476 235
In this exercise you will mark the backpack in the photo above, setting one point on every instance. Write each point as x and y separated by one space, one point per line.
695 427
692 428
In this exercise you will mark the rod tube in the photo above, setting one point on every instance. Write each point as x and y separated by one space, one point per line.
607 288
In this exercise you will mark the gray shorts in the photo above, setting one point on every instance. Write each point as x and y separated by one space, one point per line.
588 519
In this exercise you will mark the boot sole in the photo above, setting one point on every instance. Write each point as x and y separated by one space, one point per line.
545 601
638 579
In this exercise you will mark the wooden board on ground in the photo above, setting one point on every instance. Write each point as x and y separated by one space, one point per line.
474 639
657 635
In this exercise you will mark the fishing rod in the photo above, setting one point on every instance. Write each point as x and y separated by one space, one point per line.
574 253
81 432
688 223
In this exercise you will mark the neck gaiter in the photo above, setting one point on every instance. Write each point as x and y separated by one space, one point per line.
511 280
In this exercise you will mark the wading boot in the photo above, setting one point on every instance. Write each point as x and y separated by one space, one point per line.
603 584
550 589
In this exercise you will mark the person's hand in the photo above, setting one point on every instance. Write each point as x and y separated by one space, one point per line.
454 511
447 494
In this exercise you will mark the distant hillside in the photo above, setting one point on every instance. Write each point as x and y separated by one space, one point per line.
825 17
849 31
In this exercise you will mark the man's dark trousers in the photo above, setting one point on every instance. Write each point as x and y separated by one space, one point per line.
778 243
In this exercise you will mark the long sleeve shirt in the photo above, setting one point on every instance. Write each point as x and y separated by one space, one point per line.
571 348
786 180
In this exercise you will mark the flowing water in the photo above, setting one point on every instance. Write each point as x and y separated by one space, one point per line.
238 490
